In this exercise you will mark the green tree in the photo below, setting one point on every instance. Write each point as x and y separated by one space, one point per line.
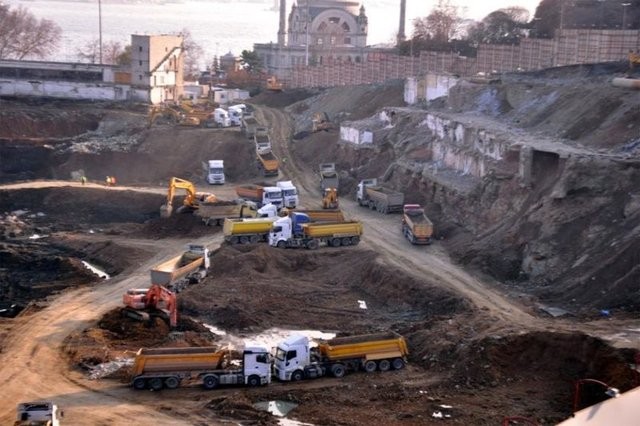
503 26
250 61
22 35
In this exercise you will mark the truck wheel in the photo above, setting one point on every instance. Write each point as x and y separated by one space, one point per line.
384 365
234 240
338 370
346 241
297 375
244 240
335 242
254 239
171 382
372 205
155 383
397 364
313 245
139 383
282 244
253 381
370 366
210 382
355 241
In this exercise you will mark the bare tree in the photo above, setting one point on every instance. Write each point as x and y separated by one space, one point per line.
193 54
113 53
440 25
502 26
22 35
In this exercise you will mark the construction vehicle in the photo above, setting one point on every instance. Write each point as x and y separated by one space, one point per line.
38 413
289 193
634 59
297 230
416 226
328 176
175 116
296 360
169 367
262 141
273 84
268 163
330 199
249 124
191 201
153 302
261 194
190 266
219 118
214 171
215 213
379 198
320 121
235 113
246 231
318 215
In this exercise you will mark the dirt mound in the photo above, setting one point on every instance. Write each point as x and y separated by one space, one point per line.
281 99
177 225
239 407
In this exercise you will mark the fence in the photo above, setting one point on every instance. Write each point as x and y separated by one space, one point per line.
569 47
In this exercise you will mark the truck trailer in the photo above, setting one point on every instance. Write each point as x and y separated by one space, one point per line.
249 124
379 198
328 176
296 360
190 265
416 226
297 230
320 215
245 231
261 194
169 367
215 213
262 141
268 163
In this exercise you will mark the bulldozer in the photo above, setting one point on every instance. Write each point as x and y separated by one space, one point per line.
320 121
154 302
191 201
176 117
330 199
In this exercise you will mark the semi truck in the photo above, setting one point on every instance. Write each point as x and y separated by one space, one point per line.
38 413
249 124
268 163
191 265
219 118
328 176
216 213
321 215
289 194
245 231
235 113
261 194
169 367
262 141
416 226
379 198
214 171
296 360
297 230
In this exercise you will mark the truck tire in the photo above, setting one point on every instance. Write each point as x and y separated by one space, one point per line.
297 375
397 364
335 242
155 383
171 382
338 370
210 382
234 240
384 365
346 241
139 383
372 205
370 366
313 244
253 381
281 244
254 239
355 240
244 240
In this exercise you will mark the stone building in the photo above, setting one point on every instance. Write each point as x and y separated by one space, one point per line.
317 32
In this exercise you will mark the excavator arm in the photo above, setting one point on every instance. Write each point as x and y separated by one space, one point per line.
191 200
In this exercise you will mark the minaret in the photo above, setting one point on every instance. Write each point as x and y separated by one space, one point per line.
282 29
401 35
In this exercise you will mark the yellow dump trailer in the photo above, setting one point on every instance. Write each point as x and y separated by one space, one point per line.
322 215
366 347
416 226
245 231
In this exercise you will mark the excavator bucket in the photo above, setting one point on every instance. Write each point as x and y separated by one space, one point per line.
166 210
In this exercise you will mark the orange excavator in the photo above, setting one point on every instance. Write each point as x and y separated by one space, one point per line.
145 304
191 201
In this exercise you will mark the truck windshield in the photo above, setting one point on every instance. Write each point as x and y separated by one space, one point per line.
280 354
289 192
216 170
276 229
274 196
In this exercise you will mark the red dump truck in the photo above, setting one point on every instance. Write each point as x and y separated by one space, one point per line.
296 360
416 226
169 367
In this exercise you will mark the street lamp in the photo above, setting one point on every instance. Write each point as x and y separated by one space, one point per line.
100 27
624 14
608 391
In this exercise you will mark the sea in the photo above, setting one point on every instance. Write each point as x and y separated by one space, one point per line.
218 26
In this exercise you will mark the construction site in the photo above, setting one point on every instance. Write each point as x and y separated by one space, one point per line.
489 238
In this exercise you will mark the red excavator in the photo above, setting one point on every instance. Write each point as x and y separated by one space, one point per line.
145 304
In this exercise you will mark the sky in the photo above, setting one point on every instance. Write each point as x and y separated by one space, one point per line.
473 9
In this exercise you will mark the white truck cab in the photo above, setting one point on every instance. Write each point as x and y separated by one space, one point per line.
268 210
221 117
214 170
235 113
256 362
281 231
292 356
289 193
361 187
272 195
38 413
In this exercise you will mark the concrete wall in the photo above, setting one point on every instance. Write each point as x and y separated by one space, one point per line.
70 90
355 136
427 87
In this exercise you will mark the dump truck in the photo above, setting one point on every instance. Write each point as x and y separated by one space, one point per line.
245 231
379 198
289 193
268 163
249 124
262 141
330 199
297 230
319 215
296 360
38 413
169 367
416 226
328 176
214 171
190 265
261 194
215 213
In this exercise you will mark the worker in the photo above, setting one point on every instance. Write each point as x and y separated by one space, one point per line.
83 179
113 181
108 180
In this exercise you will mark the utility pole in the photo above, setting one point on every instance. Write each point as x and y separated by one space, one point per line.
561 15
100 27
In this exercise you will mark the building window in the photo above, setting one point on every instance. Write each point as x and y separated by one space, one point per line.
319 41
345 27
357 59
140 77
140 63
333 40
347 40
140 49
322 26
